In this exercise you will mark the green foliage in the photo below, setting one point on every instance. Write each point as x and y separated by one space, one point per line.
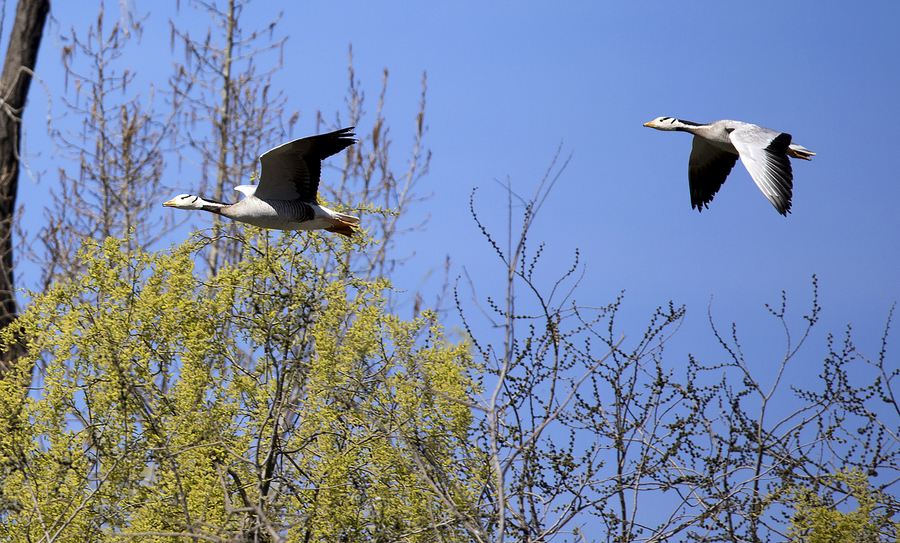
818 520
272 401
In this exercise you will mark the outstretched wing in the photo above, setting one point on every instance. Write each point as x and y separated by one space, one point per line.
291 170
707 170
764 154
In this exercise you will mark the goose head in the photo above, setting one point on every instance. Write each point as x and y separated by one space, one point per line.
663 123
186 201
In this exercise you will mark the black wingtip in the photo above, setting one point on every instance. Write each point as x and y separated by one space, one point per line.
346 134
782 205
781 143
341 132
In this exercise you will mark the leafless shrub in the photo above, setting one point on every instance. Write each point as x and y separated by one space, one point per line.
118 150
582 425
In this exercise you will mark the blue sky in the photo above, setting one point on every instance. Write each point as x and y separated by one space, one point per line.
511 81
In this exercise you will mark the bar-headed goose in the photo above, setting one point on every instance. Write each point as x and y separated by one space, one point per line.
717 147
285 198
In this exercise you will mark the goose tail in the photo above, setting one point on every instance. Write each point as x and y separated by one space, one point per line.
799 151
343 224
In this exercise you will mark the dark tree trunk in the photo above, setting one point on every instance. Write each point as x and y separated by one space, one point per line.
21 55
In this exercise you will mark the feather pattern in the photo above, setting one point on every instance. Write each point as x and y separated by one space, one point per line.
765 157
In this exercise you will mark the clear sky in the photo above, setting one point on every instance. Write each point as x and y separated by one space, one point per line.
510 81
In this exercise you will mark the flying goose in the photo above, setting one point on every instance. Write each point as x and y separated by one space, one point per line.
285 198
717 147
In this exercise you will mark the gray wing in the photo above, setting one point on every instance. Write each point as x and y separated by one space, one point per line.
291 170
764 154
707 170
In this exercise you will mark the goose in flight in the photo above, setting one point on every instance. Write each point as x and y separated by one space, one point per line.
285 198
718 145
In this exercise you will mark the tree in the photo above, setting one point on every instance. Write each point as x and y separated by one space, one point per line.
372 180
817 519
225 91
116 151
279 401
585 424
269 402
18 67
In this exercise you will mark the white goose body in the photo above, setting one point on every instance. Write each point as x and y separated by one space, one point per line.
278 214
717 147
716 133
285 198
